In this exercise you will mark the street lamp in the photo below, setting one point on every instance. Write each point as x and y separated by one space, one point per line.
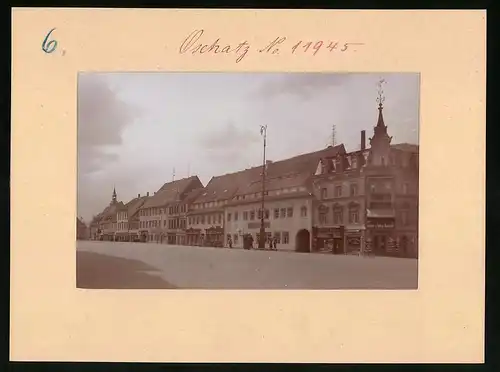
262 238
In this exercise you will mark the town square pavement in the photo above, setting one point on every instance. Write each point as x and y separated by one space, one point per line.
142 265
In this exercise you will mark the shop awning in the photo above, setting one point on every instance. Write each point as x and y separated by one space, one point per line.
380 213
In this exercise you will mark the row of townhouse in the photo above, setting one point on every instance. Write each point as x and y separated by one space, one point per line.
325 200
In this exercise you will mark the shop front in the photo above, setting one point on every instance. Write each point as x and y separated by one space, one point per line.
329 239
353 241
193 236
214 237
381 238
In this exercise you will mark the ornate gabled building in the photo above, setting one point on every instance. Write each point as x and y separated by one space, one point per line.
367 200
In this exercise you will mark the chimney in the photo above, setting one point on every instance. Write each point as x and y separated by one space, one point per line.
138 195
363 140
147 194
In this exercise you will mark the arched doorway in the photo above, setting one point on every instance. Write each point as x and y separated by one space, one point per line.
302 241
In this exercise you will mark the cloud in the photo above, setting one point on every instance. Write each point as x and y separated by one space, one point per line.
301 85
229 137
102 117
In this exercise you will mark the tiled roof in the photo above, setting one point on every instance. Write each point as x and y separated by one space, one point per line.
407 147
193 194
109 213
286 173
173 191
134 205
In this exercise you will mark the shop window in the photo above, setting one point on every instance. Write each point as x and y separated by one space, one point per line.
290 212
252 215
236 216
276 213
283 213
245 215
229 216
277 236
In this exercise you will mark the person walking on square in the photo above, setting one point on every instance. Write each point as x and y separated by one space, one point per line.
275 242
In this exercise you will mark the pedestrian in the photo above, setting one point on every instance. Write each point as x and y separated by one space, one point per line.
230 242
275 242
250 241
270 242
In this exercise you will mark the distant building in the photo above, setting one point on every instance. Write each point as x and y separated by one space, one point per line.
82 231
157 221
106 220
127 220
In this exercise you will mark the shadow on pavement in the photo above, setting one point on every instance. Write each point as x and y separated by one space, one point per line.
99 271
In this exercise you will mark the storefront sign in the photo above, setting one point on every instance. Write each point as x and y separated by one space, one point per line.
370 224
256 225
353 241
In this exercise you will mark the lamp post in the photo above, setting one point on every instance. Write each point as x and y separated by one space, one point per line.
262 238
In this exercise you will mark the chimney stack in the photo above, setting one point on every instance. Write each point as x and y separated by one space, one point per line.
363 140
138 195
147 194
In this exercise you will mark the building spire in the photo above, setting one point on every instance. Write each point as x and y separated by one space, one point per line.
334 132
113 198
380 101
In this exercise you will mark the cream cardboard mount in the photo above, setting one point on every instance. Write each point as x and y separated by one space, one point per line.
441 322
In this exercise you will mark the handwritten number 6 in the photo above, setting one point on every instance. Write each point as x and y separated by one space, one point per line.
49 47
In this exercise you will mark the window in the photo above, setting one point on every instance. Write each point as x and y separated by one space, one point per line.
202 219
290 212
354 163
245 215
266 215
405 188
209 219
277 236
252 215
198 220
286 237
276 213
303 211
283 213
229 216
404 218
324 193
338 191
164 223
220 218
354 189
323 218
354 215
236 216
338 216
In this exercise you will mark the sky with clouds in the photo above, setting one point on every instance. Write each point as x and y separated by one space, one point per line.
135 128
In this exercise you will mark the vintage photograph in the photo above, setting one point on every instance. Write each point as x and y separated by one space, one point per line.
247 180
